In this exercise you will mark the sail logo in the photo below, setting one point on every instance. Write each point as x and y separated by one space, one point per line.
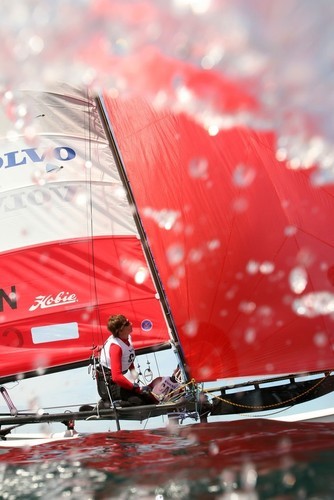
37 197
46 301
22 157
146 325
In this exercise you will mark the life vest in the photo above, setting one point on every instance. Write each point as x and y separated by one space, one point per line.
128 353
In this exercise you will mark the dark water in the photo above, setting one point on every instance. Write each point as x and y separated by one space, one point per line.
253 459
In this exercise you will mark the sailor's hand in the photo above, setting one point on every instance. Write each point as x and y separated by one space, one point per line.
146 389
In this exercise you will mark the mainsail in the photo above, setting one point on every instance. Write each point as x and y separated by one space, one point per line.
70 250
241 239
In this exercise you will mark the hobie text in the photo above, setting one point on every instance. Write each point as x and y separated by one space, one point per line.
45 301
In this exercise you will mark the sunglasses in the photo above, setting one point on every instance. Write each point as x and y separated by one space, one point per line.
127 323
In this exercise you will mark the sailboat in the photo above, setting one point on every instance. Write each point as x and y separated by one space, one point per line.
212 244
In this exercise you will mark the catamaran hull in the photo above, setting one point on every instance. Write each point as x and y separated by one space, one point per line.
256 398
27 440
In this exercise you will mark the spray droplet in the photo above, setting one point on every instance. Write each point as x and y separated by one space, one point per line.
298 280
247 307
249 478
213 245
195 255
240 205
266 267
243 176
252 267
190 328
289 479
141 275
80 199
290 231
314 304
213 130
320 339
250 335
173 282
164 218
198 168
37 177
175 254
213 448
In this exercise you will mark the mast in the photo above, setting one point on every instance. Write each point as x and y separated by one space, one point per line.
143 238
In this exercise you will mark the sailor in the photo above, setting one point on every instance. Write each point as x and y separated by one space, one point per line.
116 376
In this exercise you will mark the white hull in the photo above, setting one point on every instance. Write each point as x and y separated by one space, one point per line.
27 440
326 415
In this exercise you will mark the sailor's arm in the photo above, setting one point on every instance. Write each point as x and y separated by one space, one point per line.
116 369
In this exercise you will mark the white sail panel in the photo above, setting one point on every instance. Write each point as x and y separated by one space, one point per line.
58 178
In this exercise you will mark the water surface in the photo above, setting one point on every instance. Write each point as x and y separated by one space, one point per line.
250 459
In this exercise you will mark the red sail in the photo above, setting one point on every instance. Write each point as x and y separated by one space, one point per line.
243 244
70 253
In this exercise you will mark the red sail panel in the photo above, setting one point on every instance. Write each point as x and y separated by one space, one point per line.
57 298
231 229
70 253
18 360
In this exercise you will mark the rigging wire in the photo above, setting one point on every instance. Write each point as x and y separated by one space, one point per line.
156 364
91 113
